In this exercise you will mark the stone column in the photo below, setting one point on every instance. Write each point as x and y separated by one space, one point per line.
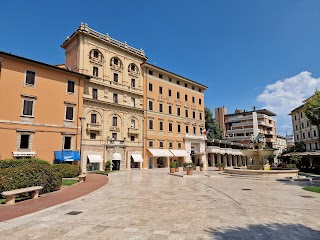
235 160
218 158
224 159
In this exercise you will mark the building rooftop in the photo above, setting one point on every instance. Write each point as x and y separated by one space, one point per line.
107 39
244 112
43 64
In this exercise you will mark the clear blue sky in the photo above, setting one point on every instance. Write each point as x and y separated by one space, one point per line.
234 47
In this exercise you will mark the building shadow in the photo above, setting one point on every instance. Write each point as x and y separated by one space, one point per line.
273 231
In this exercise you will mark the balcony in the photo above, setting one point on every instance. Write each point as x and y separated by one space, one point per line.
114 129
239 138
240 130
216 149
94 127
195 136
115 143
133 131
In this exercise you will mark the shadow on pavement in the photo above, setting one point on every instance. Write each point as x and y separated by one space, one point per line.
274 231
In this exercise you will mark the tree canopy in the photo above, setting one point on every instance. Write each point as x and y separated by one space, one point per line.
312 109
213 129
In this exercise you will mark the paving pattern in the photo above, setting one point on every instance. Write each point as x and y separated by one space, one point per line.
151 204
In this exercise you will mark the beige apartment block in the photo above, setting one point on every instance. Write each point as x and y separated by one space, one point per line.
113 98
174 119
241 125
303 131
40 109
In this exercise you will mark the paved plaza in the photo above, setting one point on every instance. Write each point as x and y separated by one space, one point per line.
151 204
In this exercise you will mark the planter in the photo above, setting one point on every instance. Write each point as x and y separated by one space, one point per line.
201 168
177 169
172 170
189 171
221 168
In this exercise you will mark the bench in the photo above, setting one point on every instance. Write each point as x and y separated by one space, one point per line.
11 195
82 177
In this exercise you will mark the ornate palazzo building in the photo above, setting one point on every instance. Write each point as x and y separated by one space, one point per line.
113 98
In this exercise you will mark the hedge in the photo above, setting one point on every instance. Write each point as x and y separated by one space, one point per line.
11 163
67 170
29 175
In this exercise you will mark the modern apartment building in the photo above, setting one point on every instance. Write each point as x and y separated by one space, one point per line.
303 131
174 118
40 109
113 98
241 125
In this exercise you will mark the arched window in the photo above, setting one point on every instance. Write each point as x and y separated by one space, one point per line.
133 69
116 63
95 55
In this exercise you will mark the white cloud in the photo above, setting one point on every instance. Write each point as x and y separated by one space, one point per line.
285 95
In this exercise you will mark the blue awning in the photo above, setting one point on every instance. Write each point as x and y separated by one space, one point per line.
67 156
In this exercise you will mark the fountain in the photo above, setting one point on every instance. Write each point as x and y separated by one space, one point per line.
260 165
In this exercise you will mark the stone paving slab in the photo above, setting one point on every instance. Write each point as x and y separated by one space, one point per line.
156 205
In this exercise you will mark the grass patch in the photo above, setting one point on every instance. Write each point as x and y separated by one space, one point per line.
68 182
312 189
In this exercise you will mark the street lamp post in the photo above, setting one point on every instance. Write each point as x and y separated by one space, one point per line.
81 160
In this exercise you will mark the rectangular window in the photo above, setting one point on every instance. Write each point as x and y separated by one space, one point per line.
70 86
69 113
95 71
150 72
303 135
301 115
186 85
150 105
178 82
186 113
187 129
160 90
132 138
115 98
178 111
116 77
169 92
314 133
150 124
150 143
192 99
194 130
295 117
296 127
115 61
200 102
170 144
309 134
30 77
67 143
161 144
192 87
114 136
94 93
133 102
178 95
297 137
200 116
114 121
170 109
199 90
95 54
133 123
160 76
150 87
170 127
24 141
179 145
170 80
186 97
160 107
93 135
27 107
133 83
302 125
93 118
179 128
193 114
160 126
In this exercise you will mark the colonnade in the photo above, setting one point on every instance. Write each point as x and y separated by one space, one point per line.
229 160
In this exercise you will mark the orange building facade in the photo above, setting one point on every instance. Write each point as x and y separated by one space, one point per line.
40 109
174 119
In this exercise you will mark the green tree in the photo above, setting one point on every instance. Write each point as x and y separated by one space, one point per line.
213 129
312 111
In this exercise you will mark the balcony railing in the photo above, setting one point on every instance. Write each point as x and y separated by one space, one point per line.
115 142
94 127
240 130
133 131
216 149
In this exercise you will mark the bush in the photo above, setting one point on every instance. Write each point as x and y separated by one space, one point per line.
29 175
173 165
108 164
67 170
11 163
